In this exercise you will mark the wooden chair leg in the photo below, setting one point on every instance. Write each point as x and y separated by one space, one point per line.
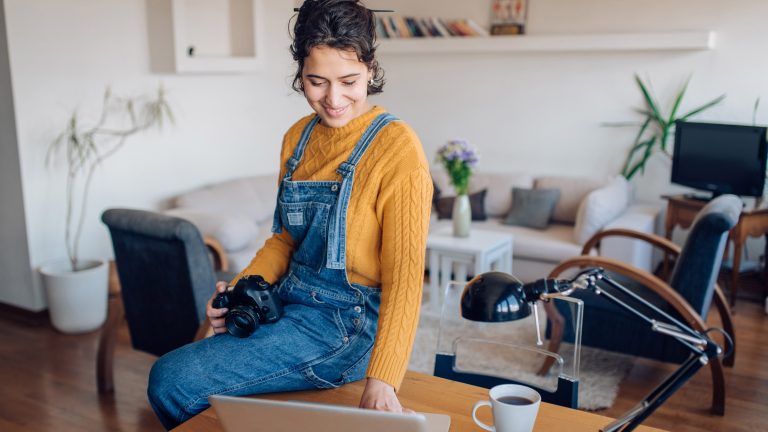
555 337
721 303
106 352
718 387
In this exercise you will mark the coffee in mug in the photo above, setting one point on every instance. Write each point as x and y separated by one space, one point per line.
514 408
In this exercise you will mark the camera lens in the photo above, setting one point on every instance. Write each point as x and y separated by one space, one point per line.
241 321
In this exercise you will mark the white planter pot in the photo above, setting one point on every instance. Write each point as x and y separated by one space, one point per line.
77 301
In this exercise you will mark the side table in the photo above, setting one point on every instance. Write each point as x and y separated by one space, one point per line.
752 223
482 251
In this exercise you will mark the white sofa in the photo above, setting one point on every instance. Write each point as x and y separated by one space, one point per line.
239 213
586 205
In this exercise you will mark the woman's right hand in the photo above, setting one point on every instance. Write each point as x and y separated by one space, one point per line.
216 316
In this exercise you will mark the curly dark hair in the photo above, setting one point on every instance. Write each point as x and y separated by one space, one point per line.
340 24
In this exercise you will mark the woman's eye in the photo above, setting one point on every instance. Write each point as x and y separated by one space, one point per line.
315 83
348 83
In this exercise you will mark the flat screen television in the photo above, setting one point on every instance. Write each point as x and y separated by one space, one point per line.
720 158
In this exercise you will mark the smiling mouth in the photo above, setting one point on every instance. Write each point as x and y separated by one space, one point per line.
336 112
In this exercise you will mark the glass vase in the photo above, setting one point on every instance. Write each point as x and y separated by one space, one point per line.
462 216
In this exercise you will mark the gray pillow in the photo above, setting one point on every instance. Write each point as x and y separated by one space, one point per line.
532 207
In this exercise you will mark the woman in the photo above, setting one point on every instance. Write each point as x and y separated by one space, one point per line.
347 253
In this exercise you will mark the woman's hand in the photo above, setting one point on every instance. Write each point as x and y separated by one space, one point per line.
380 396
216 316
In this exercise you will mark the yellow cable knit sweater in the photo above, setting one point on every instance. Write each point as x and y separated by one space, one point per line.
387 223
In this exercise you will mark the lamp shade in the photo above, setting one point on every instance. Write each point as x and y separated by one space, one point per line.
494 297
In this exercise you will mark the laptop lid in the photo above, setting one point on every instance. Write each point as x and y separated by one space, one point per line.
238 414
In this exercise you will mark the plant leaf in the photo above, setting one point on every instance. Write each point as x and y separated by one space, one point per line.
704 107
754 111
678 100
640 165
652 105
647 144
620 124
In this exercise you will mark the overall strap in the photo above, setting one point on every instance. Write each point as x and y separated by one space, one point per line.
337 234
290 167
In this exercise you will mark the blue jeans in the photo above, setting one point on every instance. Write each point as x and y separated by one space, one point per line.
323 340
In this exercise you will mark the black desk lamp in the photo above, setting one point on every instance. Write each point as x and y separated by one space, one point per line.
499 297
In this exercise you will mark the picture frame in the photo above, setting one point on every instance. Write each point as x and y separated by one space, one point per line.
508 17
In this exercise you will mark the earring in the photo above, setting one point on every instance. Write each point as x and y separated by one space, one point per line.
370 83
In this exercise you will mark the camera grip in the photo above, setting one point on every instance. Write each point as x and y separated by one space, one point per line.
220 301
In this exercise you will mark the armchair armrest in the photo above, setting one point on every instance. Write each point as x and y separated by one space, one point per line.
653 239
220 260
636 253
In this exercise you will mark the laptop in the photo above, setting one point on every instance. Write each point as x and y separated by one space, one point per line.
239 414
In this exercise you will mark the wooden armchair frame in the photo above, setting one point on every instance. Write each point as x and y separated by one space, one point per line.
105 374
656 285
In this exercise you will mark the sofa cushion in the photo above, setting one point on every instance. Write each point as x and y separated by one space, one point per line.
498 200
600 207
253 196
532 207
233 230
499 185
572 191
444 206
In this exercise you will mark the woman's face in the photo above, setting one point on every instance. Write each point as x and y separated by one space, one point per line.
335 85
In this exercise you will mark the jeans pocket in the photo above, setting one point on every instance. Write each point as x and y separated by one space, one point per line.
325 382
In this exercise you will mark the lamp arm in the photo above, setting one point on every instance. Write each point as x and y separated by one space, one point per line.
702 348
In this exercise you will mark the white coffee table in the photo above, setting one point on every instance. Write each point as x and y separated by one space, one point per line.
482 251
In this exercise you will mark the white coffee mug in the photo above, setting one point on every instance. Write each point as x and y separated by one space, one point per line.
514 408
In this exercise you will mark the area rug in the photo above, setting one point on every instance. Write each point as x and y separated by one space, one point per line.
600 372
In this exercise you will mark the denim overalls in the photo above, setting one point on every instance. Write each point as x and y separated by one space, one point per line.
326 334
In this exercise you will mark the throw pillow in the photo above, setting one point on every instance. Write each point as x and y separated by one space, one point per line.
476 203
573 190
532 207
435 194
600 207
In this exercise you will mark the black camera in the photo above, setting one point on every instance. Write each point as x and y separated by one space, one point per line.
251 302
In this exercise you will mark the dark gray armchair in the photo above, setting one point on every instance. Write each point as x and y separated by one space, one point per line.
166 276
687 295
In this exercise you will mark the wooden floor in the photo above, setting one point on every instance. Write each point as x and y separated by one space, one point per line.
47 382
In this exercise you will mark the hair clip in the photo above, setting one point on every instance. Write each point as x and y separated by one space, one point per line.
372 10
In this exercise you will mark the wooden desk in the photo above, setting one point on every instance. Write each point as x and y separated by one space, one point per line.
752 223
430 394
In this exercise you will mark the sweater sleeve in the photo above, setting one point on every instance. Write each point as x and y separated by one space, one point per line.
271 261
405 210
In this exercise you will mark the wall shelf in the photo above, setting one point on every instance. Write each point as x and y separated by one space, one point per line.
215 36
660 41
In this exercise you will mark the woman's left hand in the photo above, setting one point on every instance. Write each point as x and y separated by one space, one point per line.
381 396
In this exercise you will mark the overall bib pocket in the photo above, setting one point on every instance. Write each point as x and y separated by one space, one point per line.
307 223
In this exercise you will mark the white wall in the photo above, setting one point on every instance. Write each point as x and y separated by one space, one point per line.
537 112
14 252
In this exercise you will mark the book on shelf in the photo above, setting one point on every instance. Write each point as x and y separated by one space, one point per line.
398 26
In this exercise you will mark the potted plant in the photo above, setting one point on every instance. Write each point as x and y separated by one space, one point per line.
656 128
76 288
459 159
